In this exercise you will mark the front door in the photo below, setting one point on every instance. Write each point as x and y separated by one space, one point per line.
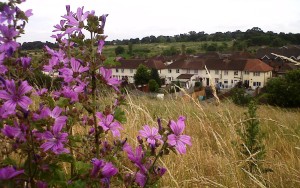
207 81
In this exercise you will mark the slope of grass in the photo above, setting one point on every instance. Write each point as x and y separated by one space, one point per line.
213 160
157 48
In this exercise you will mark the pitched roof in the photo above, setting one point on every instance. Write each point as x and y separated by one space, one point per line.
256 65
185 76
287 51
134 63
156 64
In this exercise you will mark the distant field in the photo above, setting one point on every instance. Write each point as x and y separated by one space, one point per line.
157 48
153 48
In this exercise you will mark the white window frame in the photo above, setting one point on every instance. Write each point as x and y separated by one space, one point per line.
256 73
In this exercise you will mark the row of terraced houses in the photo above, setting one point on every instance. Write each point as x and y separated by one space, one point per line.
222 70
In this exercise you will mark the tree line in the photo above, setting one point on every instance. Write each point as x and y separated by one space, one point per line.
242 40
251 37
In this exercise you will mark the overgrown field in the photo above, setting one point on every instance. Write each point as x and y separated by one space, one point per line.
213 160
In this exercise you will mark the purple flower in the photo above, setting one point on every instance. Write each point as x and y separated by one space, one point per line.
54 114
28 13
151 135
3 68
41 92
76 22
55 140
74 72
5 113
8 34
103 20
60 26
7 14
108 123
140 178
135 157
177 139
100 46
103 170
107 76
72 92
25 62
52 62
16 95
8 172
41 184
18 131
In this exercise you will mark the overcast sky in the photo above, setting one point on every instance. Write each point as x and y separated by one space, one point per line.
139 18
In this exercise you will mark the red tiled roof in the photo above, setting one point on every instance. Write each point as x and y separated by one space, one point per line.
256 65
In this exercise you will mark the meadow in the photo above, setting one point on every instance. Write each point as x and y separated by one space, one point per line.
213 160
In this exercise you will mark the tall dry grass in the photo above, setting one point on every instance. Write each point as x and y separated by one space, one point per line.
213 160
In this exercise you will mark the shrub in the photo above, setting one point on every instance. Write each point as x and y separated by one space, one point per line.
240 97
153 85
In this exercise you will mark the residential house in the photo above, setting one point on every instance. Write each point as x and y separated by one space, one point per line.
127 68
280 66
225 73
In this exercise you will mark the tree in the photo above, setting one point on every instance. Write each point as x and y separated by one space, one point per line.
130 48
142 75
119 50
284 91
155 76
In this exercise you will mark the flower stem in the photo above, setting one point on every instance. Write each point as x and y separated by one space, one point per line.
151 169
94 86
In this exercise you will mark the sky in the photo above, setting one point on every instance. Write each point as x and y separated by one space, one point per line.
140 18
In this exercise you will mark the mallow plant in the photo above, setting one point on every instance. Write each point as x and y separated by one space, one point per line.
39 141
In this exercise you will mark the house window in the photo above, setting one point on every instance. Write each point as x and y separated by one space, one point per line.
196 71
131 70
257 84
122 70
216 72
236 73
188 71
117 70
226 72
170 71
256 73
246 72
177 70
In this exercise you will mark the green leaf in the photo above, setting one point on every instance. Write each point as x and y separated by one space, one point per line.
8 161
50 101
77 184
120 115
82 167
63 102
66 158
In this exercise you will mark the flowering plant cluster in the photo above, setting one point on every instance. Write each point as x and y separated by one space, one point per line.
40 145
